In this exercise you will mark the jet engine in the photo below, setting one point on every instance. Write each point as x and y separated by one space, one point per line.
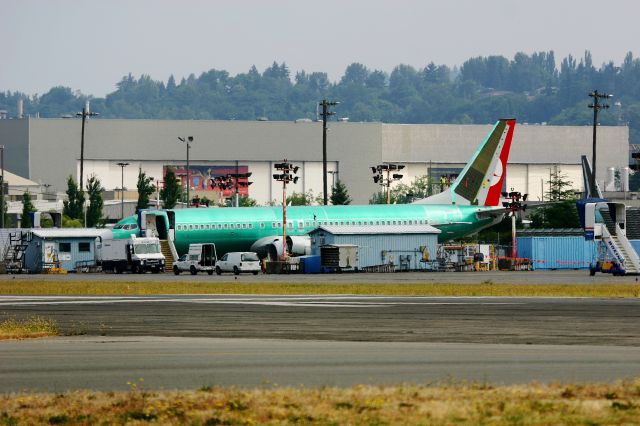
299 245
269 247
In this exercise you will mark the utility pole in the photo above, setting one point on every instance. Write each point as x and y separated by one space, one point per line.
597 106
84 114
122 166
188 141
325 104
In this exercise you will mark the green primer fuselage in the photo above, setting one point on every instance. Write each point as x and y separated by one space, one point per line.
236 229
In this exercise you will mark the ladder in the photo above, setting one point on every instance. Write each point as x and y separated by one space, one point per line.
620 248
14 253
168 255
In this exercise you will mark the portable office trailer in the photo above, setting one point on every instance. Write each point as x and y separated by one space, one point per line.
409 247
70 249
557 248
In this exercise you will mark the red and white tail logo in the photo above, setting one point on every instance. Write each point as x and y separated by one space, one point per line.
481 180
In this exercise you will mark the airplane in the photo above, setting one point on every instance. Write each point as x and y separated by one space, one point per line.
470 204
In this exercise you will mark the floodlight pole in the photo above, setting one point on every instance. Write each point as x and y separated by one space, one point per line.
188 141
325 104
388 185
379 178
596 105
2 187
286 175
122 166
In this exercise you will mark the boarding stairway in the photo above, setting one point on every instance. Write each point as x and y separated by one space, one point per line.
165 247
14 252
620 249
613 235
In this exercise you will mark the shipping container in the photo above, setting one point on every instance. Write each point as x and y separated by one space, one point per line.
562 252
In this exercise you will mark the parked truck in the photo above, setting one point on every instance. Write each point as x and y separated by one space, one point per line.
136 255
200 258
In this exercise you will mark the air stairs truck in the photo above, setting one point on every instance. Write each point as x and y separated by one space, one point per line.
617 256
135 255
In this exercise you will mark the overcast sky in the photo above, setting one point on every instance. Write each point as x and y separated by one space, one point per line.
89 45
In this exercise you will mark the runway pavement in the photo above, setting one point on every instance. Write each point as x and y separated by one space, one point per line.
201 340
107 363
562 321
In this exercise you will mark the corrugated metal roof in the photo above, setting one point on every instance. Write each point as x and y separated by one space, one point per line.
550 232
377 229
70 233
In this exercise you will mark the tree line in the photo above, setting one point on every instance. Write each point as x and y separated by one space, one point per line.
532 88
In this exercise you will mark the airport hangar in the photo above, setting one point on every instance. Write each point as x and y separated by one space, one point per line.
48 151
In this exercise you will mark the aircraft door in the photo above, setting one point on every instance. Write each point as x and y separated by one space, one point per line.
150 225
161 227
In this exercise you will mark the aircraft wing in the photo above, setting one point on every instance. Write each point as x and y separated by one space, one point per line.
493 213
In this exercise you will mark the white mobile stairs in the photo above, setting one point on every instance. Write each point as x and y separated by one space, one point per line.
612 233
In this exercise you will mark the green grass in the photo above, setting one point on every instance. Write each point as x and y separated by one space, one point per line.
99 288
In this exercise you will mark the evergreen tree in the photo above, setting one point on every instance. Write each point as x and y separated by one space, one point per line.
300 199
559 187
339 195
94 210
27 209
75 200
247 202
421 187
145 189
380 197
7 219
562 211
172 191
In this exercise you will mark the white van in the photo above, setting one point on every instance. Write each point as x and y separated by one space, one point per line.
201 258
238 261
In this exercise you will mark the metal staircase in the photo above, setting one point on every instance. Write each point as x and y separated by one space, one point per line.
612 234
620 249
14 252
168 255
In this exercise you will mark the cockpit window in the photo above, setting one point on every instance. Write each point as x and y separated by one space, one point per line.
118 226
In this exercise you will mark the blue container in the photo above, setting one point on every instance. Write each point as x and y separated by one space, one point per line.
310 264
569 252
636 245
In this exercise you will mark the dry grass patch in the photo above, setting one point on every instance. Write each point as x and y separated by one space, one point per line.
486 288
31 327
444 404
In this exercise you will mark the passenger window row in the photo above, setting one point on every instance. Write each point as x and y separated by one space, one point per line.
301 224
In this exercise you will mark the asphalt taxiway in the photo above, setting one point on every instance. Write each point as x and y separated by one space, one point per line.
189 341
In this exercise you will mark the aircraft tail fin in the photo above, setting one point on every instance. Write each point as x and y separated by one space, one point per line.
589 192
481 180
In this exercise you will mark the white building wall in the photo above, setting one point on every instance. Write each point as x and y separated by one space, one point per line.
47 150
